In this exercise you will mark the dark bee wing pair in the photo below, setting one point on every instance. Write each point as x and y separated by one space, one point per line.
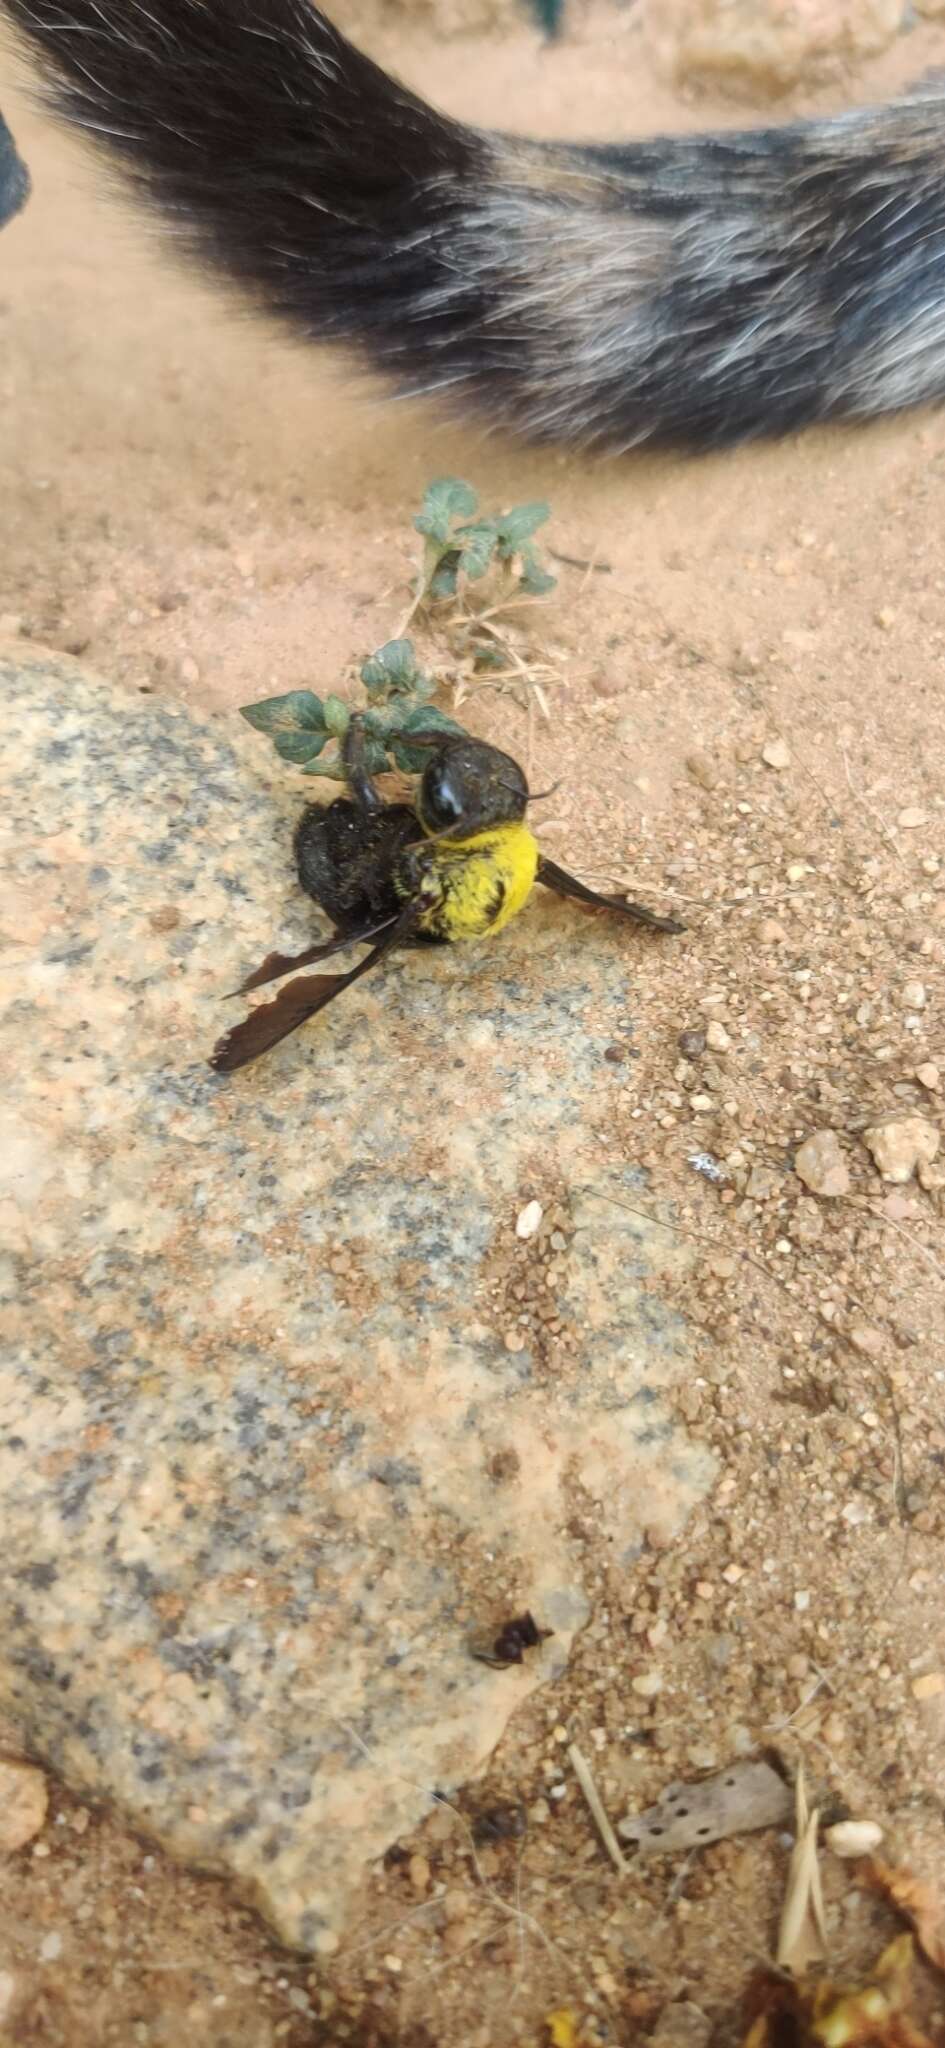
564 884
269 1023
301 999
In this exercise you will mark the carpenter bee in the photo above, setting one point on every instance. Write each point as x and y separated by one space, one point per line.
455 865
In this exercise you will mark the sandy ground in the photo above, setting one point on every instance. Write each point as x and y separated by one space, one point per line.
198 508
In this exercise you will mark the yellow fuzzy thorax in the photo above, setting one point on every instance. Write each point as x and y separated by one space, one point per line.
482 882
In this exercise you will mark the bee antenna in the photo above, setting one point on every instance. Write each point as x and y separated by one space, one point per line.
537 796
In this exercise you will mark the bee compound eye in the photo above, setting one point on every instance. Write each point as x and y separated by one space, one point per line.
440 797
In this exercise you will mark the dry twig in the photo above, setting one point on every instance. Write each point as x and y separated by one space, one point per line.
585 1778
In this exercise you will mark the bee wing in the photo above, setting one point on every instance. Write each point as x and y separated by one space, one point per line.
267 1025
564 884
276 965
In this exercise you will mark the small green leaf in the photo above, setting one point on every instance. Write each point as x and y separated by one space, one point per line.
394 664
375 678
479 543
400 661
535 580
337 716
517 526
299 746
378 721
410 760
425 718
443 501
332 768
445 576
297 711
428 718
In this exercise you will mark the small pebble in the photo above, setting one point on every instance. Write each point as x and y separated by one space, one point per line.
807 1223
851 1838
912 819
914 995
776 754
886 618
680 2025
820 1164
928 1076
648 1684
865 1338
188 670
703 770
716 1036
770 932
50 1948
528 1220
929 1685
419 1873
900 1144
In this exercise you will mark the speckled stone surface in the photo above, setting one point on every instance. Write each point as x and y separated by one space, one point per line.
253 1391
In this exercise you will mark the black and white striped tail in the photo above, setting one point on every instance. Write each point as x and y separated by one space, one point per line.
700 291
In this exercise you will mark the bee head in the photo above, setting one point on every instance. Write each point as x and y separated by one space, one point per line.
469 786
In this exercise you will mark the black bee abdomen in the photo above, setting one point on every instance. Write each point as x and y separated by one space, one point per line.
346 859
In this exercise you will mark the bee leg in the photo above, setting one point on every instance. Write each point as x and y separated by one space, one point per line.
359 781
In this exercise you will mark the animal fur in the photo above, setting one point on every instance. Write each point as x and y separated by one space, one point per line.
14 177
698 291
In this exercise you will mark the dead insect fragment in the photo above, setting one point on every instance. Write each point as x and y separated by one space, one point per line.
513 1639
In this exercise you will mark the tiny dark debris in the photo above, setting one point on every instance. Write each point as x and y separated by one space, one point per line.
502 1823
513 1639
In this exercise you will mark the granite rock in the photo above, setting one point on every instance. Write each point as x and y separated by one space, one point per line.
23 1804
266 1460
